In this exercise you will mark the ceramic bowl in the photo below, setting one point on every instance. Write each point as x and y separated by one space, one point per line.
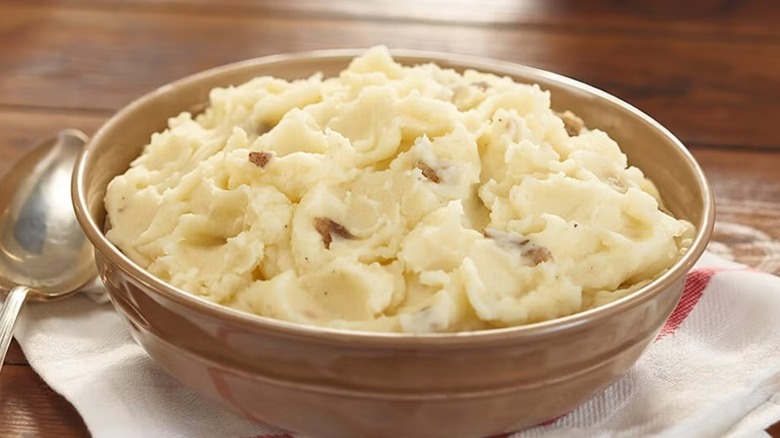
331 383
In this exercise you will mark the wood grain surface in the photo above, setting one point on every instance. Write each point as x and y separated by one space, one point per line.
707 69
697 86
29 408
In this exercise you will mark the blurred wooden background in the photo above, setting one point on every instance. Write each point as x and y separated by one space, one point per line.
709 70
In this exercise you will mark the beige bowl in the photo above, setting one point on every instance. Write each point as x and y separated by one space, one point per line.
332 383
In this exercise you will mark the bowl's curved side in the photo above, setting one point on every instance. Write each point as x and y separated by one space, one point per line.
341 390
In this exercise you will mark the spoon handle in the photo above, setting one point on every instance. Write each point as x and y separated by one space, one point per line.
8 317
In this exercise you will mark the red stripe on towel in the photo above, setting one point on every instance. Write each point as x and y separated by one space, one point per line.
695 283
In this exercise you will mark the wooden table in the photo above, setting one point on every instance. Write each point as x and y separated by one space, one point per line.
709 70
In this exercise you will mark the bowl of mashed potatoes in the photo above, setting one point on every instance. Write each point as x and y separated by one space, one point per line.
354 243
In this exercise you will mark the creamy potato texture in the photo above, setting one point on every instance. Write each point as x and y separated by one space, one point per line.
392 198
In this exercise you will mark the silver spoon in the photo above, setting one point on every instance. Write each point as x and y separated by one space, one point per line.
43 252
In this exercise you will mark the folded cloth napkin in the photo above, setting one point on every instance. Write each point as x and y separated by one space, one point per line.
714 370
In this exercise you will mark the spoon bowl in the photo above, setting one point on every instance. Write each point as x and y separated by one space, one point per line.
44 254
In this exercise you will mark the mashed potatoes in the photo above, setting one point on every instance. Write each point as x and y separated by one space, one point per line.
390 198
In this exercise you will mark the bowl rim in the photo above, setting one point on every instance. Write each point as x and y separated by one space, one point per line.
485 338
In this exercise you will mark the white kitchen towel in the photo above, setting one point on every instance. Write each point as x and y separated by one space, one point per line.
713 371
